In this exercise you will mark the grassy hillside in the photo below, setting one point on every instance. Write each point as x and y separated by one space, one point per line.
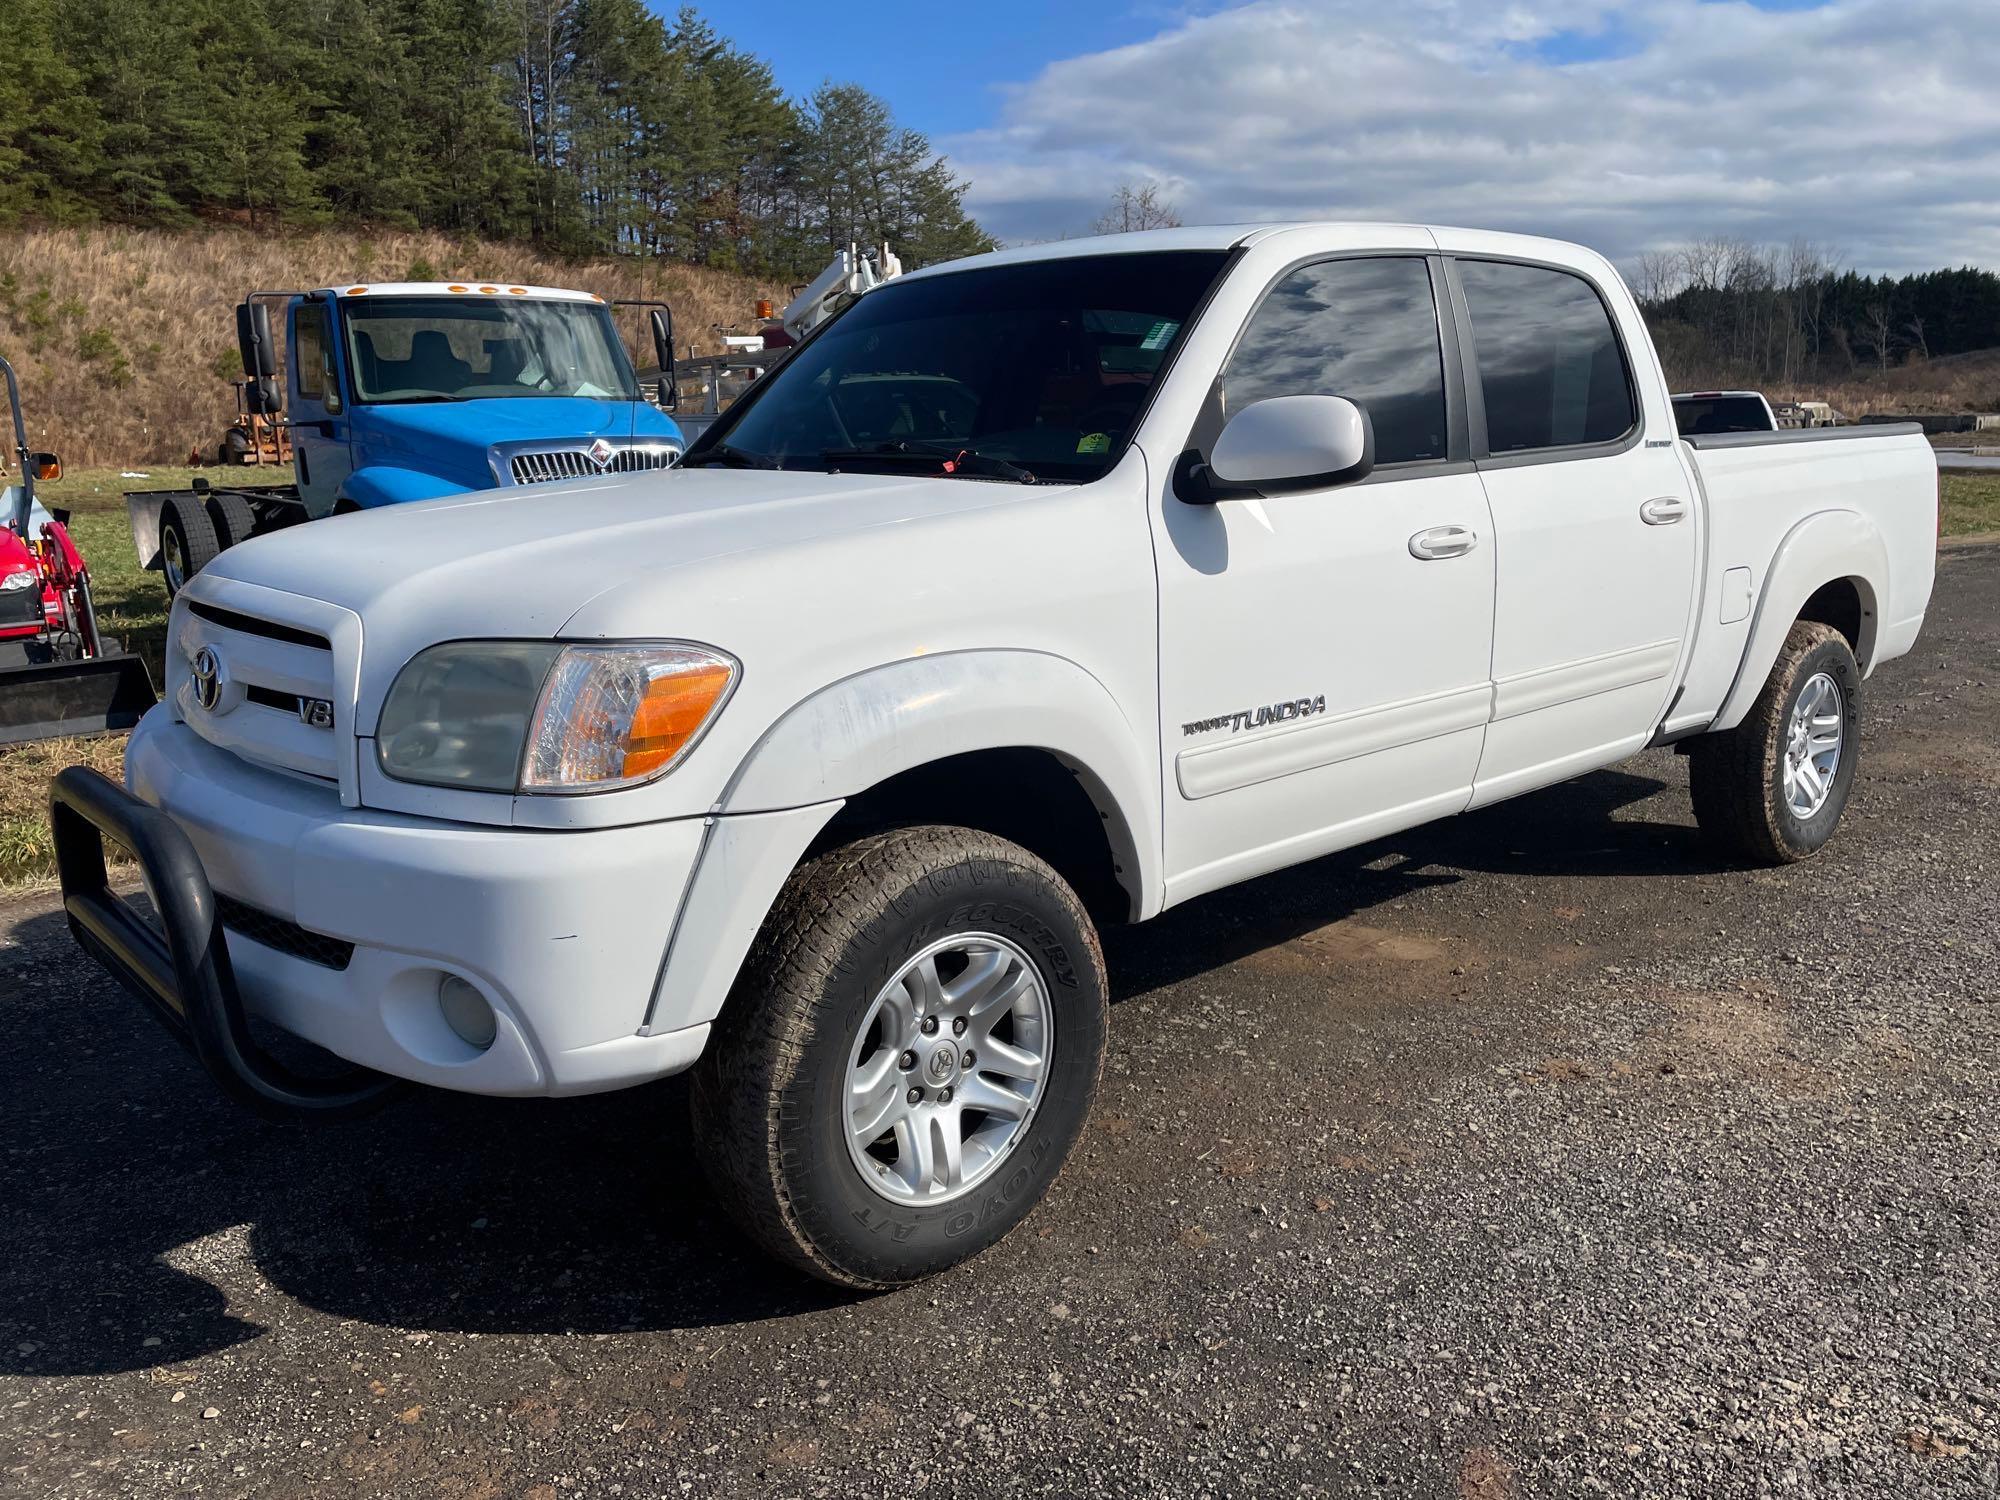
125 339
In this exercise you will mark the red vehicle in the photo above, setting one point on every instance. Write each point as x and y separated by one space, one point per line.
59 675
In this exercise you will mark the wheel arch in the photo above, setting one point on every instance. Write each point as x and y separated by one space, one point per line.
1832 567
387 484
928 732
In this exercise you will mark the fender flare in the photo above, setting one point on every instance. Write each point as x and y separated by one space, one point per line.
858 732
385 484
1824 548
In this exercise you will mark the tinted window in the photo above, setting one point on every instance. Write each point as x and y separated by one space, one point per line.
309 334
1549 363
1044 365
1699 414
1363 329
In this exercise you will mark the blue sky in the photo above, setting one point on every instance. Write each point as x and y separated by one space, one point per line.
1870 128
940 64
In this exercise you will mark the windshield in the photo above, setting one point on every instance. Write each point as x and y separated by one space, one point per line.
457 349
1040 367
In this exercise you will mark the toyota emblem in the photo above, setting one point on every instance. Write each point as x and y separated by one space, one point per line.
207 669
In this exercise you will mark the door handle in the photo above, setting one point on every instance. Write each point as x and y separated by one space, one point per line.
1663 510
1443 541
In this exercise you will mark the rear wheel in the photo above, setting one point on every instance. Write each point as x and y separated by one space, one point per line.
233 518
908 1057
188 543
1772 789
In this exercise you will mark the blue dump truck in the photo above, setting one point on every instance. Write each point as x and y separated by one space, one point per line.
414 390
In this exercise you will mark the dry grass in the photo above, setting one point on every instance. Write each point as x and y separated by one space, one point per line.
125 340
1958 382
27 855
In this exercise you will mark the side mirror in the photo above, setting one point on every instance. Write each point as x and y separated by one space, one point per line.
663 350
1286 444
260 359
45 465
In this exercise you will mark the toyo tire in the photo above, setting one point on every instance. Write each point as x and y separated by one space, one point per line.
1772 789
942 976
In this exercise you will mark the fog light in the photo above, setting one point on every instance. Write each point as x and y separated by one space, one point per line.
466 1012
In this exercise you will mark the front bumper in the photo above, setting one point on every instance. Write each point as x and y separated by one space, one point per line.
562 933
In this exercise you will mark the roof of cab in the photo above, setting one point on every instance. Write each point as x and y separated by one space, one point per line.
1242 236
458 288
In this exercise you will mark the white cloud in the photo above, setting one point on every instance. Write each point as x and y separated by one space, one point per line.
1869 126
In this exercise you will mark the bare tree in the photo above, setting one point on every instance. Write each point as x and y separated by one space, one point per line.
1877 331
1706 261
1137 208
1657 275
1915 329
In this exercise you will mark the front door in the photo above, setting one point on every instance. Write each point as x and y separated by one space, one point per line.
1324 656
1596 527
318 413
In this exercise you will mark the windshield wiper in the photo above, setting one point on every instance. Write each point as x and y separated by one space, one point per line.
951 458
729 458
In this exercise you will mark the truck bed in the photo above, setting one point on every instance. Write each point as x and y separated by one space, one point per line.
1761 488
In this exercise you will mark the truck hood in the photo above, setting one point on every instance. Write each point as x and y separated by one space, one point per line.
515 419
525 563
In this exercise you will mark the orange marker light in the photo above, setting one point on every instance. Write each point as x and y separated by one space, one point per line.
518 291
489 290
357 291
454 289
675 707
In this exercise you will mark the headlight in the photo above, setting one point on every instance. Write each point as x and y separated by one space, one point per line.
24 579
541 716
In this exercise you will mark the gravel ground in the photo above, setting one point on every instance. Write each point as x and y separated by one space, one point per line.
1528 1154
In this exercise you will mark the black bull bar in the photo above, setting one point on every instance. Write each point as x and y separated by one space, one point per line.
182 972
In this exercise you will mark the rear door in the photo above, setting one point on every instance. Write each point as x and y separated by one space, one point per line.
1323 673
1594 516
318 412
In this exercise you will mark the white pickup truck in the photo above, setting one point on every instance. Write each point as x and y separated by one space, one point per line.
1032 592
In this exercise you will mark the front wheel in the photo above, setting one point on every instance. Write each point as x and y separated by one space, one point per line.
1772 789
908 1057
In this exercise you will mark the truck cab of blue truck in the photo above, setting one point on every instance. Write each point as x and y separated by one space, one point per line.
418 390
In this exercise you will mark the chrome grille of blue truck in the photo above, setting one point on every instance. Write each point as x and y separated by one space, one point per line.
539 466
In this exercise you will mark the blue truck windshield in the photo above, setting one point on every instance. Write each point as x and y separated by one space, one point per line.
1039 368
405 349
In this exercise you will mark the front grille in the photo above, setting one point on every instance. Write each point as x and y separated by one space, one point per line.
271 630
575 463
20 607
286 937
265 669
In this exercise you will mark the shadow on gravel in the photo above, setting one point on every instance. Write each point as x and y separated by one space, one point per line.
131 1191
1567 831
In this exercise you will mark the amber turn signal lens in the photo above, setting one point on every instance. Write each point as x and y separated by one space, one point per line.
672 713
614 714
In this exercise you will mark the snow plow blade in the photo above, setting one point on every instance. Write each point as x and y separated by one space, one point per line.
53 700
